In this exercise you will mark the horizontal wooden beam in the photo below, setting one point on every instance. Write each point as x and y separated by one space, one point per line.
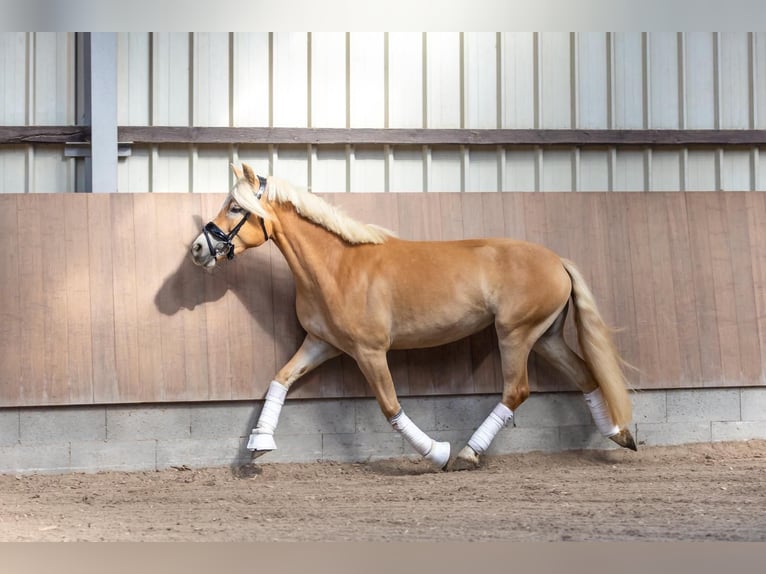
469 137
390 136
10 135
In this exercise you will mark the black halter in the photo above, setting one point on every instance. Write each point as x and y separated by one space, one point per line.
221 243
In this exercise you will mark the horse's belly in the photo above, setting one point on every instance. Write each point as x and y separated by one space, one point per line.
430 333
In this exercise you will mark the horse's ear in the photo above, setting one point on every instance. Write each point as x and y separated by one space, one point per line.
249 175
237 172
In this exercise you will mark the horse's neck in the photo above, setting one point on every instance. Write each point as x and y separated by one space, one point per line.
311 251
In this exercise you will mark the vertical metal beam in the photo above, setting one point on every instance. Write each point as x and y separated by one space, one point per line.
101 111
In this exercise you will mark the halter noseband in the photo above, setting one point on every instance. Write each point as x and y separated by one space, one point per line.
222 242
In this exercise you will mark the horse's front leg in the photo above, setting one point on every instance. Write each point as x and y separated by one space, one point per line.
312 353
374 366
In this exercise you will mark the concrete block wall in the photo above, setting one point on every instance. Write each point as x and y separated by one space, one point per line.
153 437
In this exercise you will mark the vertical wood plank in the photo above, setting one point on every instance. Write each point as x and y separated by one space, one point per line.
194 321
102 311
127 352
78 308
150 267
32 300
684 291
668 358
702 268
725 296
621 280
643 291
443 86
12 314
215 317
518 80
756 218
55 337
749 367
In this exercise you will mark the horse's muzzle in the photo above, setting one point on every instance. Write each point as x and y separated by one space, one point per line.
201 255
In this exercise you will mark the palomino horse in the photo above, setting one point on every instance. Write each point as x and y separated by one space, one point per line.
362 291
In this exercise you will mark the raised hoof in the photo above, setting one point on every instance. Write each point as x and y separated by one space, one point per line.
261 443
466 459
257 453
625 439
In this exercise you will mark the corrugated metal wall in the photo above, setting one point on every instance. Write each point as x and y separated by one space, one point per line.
37 76
420 80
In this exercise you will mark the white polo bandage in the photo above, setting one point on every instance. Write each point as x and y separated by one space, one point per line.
599 411
262 437
435 452
487 431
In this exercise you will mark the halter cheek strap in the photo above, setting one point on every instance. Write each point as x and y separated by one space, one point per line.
223 241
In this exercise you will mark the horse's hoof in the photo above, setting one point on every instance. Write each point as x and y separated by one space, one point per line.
625 439
466 459
439 454
257 453
261 443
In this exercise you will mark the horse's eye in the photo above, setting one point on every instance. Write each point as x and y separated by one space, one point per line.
234 208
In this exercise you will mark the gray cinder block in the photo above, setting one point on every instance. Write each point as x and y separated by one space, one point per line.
553 410
753 404
94 456
650 406
9 426
672 433
223 420
695 405
361 446
63 424
148 423
317 416
36 458
198 453
738 430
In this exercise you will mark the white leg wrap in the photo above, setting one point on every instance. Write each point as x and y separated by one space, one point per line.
598 409
435 452
485 434
262 437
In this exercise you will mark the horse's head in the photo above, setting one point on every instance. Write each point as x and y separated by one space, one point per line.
243 222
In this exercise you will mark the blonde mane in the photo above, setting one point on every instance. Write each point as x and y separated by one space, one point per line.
311 207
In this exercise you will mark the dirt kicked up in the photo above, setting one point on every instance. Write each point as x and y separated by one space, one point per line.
681 493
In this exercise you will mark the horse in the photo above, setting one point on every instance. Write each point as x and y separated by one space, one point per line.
363 291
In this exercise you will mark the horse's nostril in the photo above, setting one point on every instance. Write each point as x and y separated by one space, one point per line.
196 248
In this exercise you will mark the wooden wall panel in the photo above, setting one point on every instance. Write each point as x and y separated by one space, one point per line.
101 303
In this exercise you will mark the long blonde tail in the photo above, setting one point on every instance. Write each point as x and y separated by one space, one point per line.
599 352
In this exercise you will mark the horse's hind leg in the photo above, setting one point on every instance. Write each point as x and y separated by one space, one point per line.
514 351
553 348
374 366
312 353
